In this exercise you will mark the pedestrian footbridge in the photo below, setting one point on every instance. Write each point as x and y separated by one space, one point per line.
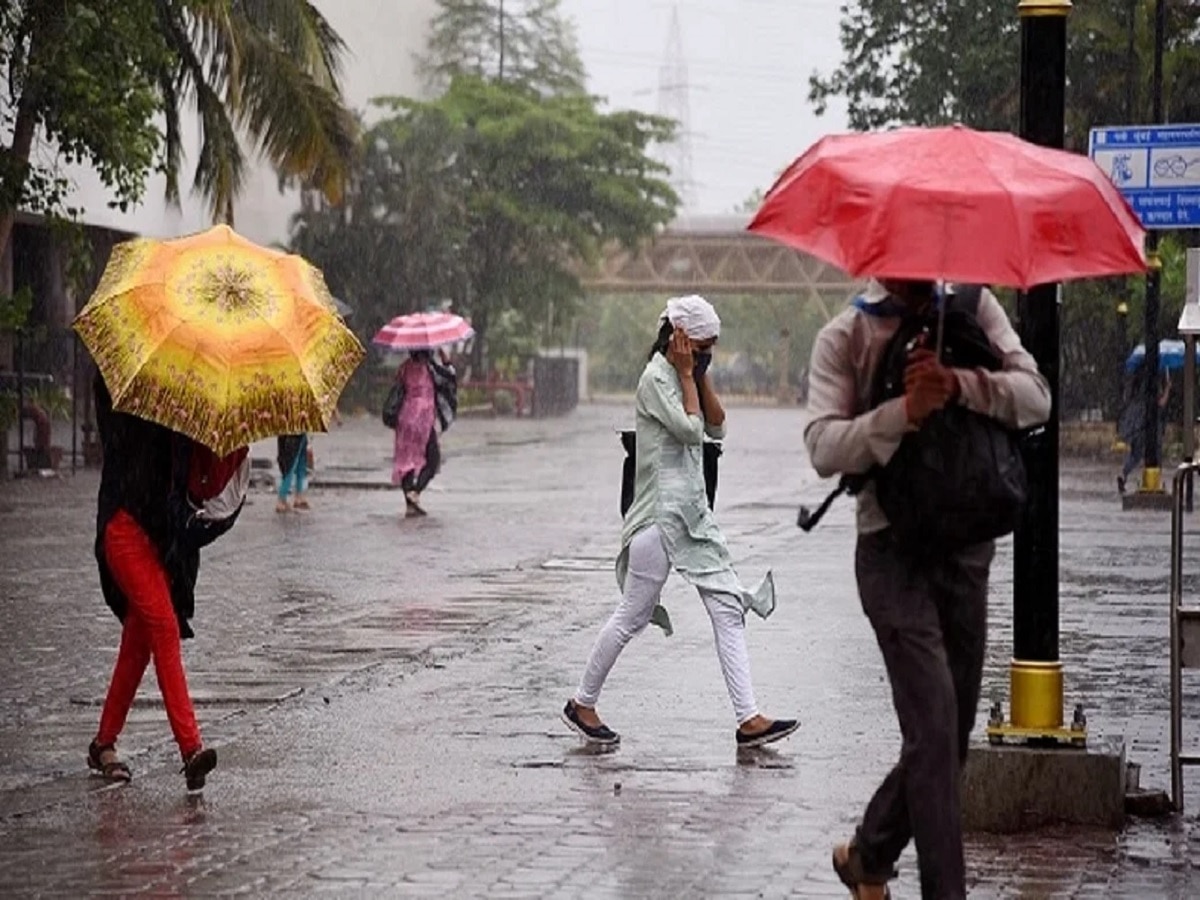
715 255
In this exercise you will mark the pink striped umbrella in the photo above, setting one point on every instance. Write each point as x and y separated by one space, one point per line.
423 331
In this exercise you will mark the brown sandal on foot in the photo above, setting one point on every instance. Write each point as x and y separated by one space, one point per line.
113 770
412 503
850 871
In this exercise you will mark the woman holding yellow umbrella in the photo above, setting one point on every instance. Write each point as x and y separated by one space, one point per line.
203 345
148 542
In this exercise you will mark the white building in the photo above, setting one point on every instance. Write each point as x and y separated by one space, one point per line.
382 38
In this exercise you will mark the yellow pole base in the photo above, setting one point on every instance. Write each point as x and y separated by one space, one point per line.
1037 694
1152 481
1043 8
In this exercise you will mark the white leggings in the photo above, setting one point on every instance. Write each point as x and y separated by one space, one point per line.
648 571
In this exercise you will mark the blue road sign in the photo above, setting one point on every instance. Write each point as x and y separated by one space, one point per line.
1157 168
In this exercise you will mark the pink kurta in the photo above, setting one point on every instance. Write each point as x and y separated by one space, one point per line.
416 421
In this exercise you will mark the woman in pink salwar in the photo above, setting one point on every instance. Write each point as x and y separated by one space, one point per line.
429 391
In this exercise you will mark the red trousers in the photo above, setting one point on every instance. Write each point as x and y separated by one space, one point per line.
150 630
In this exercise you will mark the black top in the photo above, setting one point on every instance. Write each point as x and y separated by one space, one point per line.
139 475
287 449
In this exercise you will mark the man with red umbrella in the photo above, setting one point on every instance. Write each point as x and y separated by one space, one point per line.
928 610
925 205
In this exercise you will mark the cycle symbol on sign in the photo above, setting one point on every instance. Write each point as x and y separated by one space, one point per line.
1175 166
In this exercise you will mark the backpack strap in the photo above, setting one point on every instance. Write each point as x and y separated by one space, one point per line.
967 297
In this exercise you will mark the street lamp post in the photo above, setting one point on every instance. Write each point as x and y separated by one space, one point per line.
1036 678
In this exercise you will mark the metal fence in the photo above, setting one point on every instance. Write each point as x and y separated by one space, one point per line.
49 386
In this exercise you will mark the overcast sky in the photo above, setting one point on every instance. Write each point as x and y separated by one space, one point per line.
748 64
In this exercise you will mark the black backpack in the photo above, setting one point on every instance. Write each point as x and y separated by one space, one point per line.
960 479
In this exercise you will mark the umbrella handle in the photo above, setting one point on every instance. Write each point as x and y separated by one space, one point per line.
941 329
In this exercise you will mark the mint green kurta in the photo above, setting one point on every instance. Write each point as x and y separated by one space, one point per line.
669 492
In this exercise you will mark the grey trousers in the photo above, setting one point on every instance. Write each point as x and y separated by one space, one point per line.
930 618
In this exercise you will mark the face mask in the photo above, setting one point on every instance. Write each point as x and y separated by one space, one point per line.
702 360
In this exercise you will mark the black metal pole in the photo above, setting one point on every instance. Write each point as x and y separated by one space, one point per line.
1120 393
1152 467
20 348
74 401
1035 548
1131 78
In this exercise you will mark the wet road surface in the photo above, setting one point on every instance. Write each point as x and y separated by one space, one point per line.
384 693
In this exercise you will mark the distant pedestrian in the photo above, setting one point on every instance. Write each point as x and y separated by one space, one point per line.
928 607
670 526
1132 426
424 396
292 454
162 498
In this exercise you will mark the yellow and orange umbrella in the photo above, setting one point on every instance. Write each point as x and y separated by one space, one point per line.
218 338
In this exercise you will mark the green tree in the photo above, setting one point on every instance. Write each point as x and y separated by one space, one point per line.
922 63
958 61
79 75
549 183
492 195
264 71
89 78
393 245
529 42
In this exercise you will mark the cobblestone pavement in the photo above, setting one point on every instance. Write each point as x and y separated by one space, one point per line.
384 693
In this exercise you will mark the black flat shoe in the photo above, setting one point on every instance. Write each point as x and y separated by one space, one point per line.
197 766
601 734
776 731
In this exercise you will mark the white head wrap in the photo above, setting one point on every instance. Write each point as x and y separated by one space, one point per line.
695 316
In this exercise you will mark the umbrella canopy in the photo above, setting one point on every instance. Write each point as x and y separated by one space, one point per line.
217 338
1171 356
423 331
954 204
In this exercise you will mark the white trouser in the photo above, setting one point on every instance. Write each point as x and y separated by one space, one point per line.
648 571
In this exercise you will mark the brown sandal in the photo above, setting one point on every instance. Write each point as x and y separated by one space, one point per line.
113 770
851 872
412 504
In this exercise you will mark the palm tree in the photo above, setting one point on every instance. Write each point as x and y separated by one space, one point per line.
268 69
263 71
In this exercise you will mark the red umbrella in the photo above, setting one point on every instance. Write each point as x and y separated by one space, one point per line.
423 331
954 204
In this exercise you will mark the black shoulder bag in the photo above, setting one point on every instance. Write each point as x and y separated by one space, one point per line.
393 404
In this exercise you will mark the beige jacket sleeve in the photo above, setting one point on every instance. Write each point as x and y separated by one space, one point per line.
838 440
1017 395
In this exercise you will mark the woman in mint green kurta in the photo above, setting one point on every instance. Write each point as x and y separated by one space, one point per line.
669 492
670 526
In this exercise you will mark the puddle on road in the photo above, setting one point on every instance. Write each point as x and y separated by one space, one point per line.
516 441
578 564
